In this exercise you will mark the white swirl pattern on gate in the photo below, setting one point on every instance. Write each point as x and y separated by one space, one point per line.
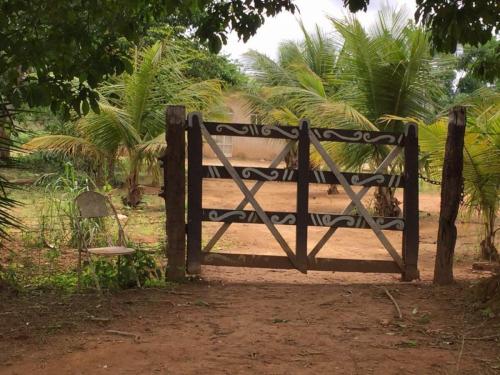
288 219
330 222
292 134
367 138
378 178
213 215
357 136
397 223
247 172
242 131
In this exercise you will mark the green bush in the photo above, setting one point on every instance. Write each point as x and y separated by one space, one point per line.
139 268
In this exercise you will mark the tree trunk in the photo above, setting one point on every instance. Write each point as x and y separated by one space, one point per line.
5 130
155 176
110 170
291 159
99 175
4 141
386 204
488 249
333 190
451 190
134 191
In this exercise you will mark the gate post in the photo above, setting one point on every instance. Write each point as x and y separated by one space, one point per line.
174 191
195 185
302 196
451 189
410 205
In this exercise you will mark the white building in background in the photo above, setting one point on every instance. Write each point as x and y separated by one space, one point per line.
243 147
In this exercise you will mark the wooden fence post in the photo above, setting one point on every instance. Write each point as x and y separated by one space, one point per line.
175 191
302 196
195 184
451 190
410 205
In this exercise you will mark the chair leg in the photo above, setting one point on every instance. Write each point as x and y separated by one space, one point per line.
94 274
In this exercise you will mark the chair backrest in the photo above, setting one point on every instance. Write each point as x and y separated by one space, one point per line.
92 204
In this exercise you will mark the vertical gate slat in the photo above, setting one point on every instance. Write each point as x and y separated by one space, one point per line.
195 160
410 205
302 195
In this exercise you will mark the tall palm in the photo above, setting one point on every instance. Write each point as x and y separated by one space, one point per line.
131 118
351 79
481 169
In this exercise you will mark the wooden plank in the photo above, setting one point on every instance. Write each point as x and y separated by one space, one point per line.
451 190
410 206
359 136
354 265
195 156
282 262
290 218
314 176
302 195
174 192
252 130
291 132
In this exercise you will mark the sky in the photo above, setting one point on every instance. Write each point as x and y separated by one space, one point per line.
285 26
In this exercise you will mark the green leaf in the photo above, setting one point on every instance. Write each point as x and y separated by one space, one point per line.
85 107
94 104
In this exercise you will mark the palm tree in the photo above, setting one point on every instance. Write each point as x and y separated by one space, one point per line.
351 79
131 120
481 169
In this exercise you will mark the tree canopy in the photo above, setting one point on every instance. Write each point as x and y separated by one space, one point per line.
56 53
481 65
130 120
452 22
352 79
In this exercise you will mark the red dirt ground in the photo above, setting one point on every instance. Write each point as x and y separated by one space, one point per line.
246 321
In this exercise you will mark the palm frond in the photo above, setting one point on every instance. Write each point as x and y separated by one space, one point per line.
481 169
354 79
64 145
109 128
154 147
203 96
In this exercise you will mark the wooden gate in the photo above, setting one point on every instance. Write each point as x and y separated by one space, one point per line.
355 214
